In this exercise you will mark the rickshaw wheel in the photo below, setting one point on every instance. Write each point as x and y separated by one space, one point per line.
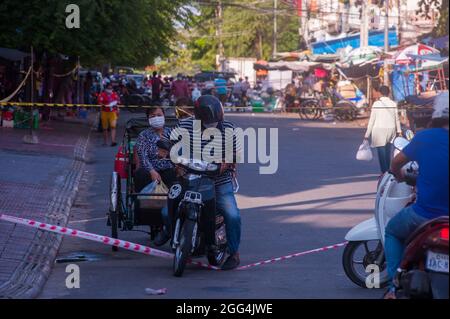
114 210
346 112
310 110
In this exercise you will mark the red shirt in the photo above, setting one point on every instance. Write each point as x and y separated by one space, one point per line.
105 99
180 89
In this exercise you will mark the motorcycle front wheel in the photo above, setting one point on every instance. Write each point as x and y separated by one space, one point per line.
184 249
358 255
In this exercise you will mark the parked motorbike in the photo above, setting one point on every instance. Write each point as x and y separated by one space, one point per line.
194 199
424 269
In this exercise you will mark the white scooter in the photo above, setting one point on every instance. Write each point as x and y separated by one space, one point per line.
366 240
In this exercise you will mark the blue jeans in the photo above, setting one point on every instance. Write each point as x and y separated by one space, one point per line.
225 204
399 228
384 157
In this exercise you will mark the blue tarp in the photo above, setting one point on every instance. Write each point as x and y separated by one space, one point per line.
376 38
402 85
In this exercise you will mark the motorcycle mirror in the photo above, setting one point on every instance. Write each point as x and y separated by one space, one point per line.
409 135
400 143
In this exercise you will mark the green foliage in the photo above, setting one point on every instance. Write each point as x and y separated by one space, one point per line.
116 31
425 7
247 32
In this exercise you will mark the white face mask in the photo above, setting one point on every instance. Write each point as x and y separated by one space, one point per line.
108 91
157 121
210 125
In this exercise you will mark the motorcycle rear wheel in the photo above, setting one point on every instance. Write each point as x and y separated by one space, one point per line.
349 262
218 258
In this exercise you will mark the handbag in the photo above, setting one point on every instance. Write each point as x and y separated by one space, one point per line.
364 152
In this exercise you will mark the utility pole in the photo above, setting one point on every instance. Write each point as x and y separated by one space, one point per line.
386 40
219 15
304 14
275 28
364 31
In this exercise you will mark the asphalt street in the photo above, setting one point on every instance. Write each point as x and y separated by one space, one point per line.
318 193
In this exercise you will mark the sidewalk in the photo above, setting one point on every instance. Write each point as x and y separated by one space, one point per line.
37 182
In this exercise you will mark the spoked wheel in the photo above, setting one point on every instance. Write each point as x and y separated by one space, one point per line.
184 249
115 206
358 255
310 110
345 111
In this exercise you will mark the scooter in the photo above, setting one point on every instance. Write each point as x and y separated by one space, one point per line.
423 272
366 240
192 201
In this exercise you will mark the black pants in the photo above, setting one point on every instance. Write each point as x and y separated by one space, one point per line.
142 178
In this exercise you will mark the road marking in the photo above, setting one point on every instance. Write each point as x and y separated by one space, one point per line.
86 220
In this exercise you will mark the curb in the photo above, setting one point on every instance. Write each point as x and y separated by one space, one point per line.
31 275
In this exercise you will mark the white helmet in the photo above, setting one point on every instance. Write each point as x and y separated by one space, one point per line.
440 106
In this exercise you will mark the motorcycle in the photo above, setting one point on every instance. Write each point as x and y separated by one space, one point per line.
425 260
193 199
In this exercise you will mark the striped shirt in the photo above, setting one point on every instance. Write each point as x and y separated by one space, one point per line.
207 147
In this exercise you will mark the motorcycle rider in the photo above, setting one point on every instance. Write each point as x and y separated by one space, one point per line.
429 148
209 110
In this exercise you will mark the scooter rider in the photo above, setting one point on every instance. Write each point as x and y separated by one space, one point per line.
209 110
429 148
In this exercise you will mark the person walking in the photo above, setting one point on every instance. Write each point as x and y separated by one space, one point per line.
157 87
180 88
384 126
109 113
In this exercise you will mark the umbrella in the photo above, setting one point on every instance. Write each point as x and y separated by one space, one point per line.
405 55
361 55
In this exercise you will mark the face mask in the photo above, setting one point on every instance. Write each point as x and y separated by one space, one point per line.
210 125
109 91
157 121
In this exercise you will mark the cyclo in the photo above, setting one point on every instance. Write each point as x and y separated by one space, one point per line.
130 209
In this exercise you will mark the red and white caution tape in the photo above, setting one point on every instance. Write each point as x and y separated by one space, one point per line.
270 261
140 248
97 238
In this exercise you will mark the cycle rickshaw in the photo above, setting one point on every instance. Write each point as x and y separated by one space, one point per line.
130 209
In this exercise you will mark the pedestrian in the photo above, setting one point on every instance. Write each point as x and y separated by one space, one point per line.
384 125
180 88
196 93
157 87
109 113
88 83
221 88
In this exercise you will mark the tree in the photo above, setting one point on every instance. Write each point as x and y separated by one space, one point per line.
247 31
442 6
116 31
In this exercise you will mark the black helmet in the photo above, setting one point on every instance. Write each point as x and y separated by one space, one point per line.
208 109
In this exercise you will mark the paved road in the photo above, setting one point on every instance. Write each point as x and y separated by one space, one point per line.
37 181
317 194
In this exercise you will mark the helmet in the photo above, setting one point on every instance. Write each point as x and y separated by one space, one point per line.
440 106
208 109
